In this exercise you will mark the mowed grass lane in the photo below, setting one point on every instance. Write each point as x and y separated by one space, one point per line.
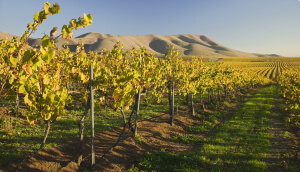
240 144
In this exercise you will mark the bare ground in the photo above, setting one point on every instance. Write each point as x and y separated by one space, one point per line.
156 132
284 147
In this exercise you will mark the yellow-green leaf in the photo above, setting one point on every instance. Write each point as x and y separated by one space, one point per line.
55 9
29 70
27 101
36 16
47 116
22 89
14 61
11 79
46 7
46 41
46 80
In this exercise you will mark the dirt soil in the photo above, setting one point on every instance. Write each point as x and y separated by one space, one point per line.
281 145
155 131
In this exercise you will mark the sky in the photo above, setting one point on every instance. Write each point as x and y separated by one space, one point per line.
254 26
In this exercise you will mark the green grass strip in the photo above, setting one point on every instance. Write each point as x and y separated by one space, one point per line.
18 139
241 144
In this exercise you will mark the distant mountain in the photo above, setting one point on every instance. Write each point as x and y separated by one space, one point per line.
268 55
187 44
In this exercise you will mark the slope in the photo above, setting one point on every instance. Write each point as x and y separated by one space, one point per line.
187 44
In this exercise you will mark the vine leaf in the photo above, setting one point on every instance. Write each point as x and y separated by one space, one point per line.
46 42
14 61
67 32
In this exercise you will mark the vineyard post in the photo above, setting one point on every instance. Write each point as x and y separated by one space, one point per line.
172 103
137 111
192 104
92 115
17 93
170 97
138 98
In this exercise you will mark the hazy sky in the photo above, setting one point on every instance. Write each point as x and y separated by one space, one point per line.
255 26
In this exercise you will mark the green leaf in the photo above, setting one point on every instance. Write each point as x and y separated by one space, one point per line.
73 23
27 56
119 103
11 79
46 80
54 116
48 56
55 9
23 79
67 32
46 7
36 16
30 118
51 53
78 23
83 77
36 63
50 98
88 19
47 116
34 79
27 101
14 61
28 87
29 69
46 41
40 16
30 26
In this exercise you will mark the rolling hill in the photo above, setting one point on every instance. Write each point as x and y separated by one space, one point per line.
187 44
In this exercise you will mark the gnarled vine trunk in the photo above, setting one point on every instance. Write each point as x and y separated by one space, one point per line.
81 129
46 135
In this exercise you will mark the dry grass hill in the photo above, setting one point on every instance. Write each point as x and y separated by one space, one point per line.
187 44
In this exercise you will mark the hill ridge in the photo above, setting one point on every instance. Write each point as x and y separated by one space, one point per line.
187 44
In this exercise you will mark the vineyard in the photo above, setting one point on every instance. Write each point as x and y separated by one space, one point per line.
54 97
269 67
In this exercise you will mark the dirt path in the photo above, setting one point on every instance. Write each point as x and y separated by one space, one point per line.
284 148
254 139
156 132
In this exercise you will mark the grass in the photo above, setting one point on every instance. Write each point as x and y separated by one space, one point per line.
213 120
22 139
18 138
240 144
185 138
139 140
